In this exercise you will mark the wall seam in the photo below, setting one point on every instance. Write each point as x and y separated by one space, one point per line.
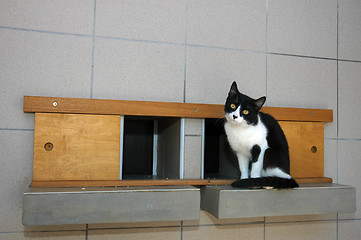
337 104
16 129
93 51
185 51
86 231
267 16
46 32
181 226
264 228
179 44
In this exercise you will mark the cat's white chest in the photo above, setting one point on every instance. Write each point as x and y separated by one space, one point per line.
243 138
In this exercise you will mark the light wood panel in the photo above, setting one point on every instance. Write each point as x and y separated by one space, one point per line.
305 140
76 147
167 109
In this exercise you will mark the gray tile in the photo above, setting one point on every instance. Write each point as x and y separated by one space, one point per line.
229 232
135 225
349 230
210 73
301 218
305 83
43 65
349 100
16 151
303 27
15 174
64 235
70 16
229 24
192 157
154 20
136 233
208 219
130 70
330 159
349 30
349 166
193 126
299 231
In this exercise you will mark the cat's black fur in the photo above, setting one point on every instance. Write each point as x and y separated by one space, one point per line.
268 155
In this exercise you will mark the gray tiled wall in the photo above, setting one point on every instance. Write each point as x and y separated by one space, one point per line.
298 53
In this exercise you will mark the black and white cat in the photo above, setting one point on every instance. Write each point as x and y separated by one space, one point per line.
259 143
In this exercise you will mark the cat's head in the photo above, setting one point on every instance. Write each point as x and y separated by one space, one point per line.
240 109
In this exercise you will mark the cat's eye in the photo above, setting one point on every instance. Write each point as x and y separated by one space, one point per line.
233 106
245 112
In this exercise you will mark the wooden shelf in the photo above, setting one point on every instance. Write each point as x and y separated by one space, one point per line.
161 109
156 182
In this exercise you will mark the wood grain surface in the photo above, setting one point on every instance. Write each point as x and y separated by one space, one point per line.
85 147
165 109
305 140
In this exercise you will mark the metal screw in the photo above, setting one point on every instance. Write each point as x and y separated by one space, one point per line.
55 104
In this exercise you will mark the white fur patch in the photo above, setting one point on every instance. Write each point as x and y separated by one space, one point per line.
275 172
242 137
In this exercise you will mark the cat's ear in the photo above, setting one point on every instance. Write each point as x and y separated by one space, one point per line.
234 90
259 102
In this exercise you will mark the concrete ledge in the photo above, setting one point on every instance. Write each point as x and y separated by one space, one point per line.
228 202
54 206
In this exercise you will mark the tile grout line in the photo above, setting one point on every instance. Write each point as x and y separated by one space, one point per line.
337 90
181 44
185 50
86 231
264 228
344 139
267 15
181 226
337 104
93 52
46 31
17 129
337 71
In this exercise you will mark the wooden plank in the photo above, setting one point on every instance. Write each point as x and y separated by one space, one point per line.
158 182
314 180
120 107
76 147
306 146
166 109
120 183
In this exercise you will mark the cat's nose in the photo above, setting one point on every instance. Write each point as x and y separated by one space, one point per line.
235 117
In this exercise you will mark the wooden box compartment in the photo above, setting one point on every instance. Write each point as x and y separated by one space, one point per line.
107 147
306 148
152 148
220 162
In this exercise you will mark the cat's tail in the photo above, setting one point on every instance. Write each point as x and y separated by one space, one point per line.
265 182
